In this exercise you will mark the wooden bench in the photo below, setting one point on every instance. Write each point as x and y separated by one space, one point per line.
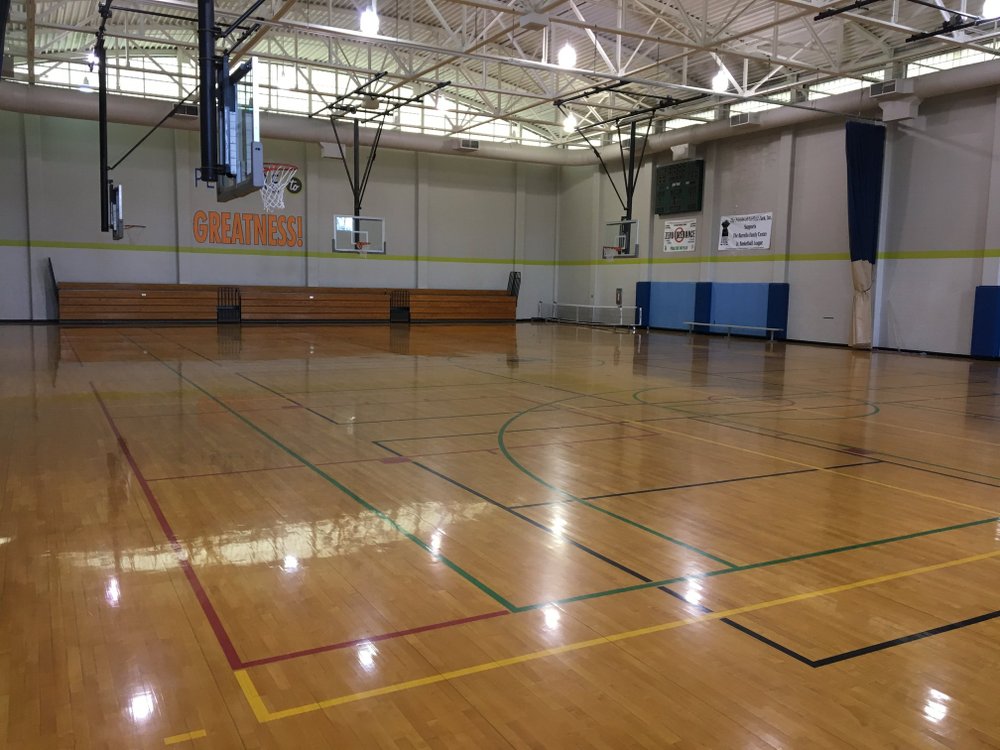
112 302
109 302
730 326
439 305
264 303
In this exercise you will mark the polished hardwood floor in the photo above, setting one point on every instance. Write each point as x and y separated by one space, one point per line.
530 536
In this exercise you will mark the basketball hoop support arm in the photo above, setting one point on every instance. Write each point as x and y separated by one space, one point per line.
357 180
102 113
207 99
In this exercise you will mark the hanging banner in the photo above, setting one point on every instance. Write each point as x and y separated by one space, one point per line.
679 236
745 232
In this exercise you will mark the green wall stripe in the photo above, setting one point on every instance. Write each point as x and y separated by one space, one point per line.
656 260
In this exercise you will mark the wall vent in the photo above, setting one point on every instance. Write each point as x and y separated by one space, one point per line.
466 145
744 119
894 87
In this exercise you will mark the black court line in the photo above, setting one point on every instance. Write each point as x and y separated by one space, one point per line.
594 553
331 420
537 524
864 650
734 479
818 443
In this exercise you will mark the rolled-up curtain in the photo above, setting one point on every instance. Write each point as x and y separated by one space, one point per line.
865 148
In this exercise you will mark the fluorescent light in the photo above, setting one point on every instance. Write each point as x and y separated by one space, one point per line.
991 8
369 22
567 55
569 123
720 83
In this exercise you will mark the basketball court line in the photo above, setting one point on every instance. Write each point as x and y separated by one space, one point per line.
699 438
726 481
765 563
182 346
573 498
691 485
600 556
346 490
225 643
537 524
264 714
186 737
236 662
371 639
884 456
381 421
939 434
228 408
222 636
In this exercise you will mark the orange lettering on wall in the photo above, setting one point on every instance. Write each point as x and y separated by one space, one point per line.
290 231
236 236
200 226
213 227
233 228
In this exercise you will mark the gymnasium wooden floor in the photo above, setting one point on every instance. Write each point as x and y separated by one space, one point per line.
531 536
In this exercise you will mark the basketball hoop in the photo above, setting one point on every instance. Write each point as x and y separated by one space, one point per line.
134 232
276 179
611 251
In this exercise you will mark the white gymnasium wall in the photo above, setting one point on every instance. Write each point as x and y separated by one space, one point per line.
453 221
464 222
942 227
940 208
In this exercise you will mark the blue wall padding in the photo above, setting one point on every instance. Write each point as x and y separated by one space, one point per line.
777 308
743 304
642 303
986 322
702 304
669 304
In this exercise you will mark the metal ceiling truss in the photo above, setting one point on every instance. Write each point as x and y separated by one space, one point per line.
500 55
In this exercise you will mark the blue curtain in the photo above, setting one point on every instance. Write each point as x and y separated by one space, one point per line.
865 158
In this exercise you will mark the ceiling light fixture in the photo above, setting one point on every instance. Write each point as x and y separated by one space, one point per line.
720 83
991 8
569 123
369 22
567 56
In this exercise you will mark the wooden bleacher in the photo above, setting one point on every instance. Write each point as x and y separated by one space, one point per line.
269 303
461 304
111 302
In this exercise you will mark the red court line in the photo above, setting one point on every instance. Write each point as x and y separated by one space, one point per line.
221 473
228 648
372 639
199 591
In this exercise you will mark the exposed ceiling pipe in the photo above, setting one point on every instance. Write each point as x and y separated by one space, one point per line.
42 100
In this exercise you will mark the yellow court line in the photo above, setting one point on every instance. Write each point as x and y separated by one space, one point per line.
178 738
664 430
263 714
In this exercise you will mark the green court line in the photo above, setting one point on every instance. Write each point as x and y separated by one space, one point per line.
728 422
723 417
763 564
346 490
673 540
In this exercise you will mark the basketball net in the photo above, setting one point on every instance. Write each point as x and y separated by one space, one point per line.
276 179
